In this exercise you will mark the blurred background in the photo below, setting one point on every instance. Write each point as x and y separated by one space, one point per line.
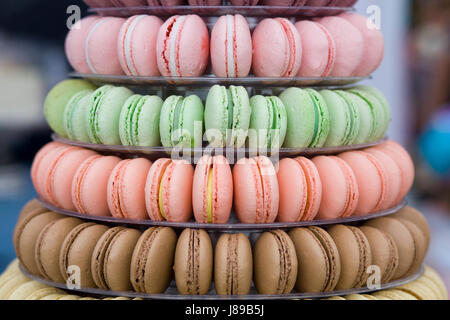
415 77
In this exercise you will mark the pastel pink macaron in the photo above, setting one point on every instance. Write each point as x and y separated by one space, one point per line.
212 191
372 180
136 45
38 158
205 2
129 3
231 47
90 183
165 3
256 192
168 190
340 192
349 44
293 3
319 50
182 47
373 44
244 2
126 189
300 190
277 48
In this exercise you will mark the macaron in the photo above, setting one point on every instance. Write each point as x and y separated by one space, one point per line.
344 118
275 263
41 154
212 190
152 260
308 121
111 258
233 261
244 2
193 263
394 294
76 250
139 121
29 207
182 46
56 101
44 292
367 120
300 190
433 276
165 3
277 48
205 2
372 181
384 251
136 45
102 118
90 182
168 190
181 122
74 116
268 122
231 47
416 217
319 265
280 3
318 49
10 284
26 289
227 116
355 255
340 192
420 244
126 189
256 191
349 44
48 245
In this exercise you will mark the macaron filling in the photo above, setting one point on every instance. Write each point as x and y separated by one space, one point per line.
209 208
352 127
290 49
161 197
274 122
131 119
98 98
230 56
177 123
315 137
70 110
173 35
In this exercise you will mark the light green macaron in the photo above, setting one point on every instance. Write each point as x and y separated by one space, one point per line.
74 116
139 121
181 122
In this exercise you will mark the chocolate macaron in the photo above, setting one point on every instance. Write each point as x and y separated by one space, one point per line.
415 216
275 263
193 262
29 207
152 260
233 264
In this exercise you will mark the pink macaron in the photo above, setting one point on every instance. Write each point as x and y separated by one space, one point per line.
281 3
38 158
126 189
340 192
319 50
165 3
231 47
349 44
372 180
244 2
168 190
277 48
212 191
182 47
136 45
256 193
90 183
129 3
205 2
373 44
300 190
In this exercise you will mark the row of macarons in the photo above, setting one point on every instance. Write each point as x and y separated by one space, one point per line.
169 3
298 118
310 259
143 45
353 183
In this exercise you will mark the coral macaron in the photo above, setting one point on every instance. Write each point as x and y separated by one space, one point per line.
212 191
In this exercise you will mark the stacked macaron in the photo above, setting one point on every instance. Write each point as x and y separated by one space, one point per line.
143 45
310 259
298 118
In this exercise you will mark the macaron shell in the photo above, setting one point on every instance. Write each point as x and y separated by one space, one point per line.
366 119
416 217
28 208
74 116
38 158
420 244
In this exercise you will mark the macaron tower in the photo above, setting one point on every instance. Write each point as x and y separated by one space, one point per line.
152 190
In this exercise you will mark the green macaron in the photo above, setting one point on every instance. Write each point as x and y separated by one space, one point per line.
268 122
57 99
344 118
139 121
227 116
102 118
308 118
181 122
74 116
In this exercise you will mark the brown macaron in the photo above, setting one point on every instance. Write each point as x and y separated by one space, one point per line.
77 249
152 260
275 263
403 240
384 252
355 255
319 265
416 217
420 244
111 258
233 261
26 234
30 206
48 245
193 262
